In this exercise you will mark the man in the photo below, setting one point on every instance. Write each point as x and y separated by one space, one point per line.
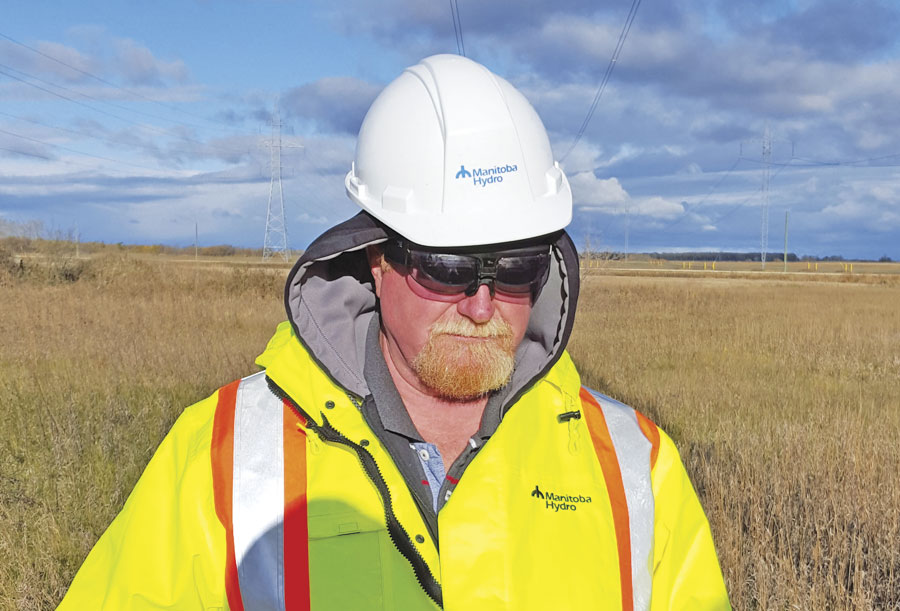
418 436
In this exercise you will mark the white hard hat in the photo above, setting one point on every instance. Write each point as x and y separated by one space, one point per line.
451 154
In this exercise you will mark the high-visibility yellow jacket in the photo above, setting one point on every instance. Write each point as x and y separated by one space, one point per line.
500 546
275 493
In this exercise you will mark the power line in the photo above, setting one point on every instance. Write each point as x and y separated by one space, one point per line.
635 4
59 95
77 152
708 193
814 163
96 99
17 152
730 211
88 106
457 28
149 149
106 82
780 166
64 161
101 111
743 202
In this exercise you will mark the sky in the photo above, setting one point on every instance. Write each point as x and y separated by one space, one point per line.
144 121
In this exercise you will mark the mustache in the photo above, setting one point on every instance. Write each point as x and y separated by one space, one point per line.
495 327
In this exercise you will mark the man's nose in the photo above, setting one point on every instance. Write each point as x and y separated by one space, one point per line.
479 308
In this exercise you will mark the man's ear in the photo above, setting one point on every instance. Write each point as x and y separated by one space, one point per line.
376 266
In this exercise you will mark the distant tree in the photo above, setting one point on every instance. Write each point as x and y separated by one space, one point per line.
885 259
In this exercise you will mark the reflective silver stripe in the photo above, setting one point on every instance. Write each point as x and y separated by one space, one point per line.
258 495
633 453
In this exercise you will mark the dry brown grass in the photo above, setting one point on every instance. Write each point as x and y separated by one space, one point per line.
92 375
783 398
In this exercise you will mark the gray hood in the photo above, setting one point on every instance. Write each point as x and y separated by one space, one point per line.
330 302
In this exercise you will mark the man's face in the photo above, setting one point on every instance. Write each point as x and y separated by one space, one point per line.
455 350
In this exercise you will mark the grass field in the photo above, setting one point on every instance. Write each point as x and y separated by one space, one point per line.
784 400
782 394
866 272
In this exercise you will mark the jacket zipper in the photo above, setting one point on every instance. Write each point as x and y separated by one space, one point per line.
398 535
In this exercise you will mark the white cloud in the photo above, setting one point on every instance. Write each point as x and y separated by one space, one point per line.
683 98
317 219
626 152
137 65
656 207
336 104
584 158
591 192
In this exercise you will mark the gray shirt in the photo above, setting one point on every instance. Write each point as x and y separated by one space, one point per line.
419 462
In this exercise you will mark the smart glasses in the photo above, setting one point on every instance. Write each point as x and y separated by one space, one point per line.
515 275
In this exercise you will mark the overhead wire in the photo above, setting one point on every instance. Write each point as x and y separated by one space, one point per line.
59 95
12 73
115 86
65 161
743 202
623 35
148 148
25 153
708 194
780 166
814 163
732 209
77 152
96 99
153 128
712 190
457 28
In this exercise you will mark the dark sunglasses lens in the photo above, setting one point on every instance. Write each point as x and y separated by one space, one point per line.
522 274
443 273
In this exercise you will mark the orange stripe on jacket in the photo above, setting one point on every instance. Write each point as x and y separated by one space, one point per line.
609 463
296 527
652 434
222 455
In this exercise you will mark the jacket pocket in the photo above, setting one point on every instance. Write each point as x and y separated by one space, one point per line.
345 561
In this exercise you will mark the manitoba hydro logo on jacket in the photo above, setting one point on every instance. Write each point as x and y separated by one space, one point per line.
559 502
482 177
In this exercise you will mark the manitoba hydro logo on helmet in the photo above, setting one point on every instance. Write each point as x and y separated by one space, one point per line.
482 177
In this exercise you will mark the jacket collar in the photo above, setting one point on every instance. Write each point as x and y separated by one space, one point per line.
330 302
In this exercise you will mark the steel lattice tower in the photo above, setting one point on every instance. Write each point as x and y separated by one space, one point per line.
276 242
767 164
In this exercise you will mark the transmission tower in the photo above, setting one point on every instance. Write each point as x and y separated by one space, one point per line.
276 242
767 163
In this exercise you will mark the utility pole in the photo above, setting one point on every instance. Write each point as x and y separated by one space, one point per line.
767 162
196 241
785 239
276 242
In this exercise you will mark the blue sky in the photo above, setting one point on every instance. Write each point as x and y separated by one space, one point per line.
132 121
